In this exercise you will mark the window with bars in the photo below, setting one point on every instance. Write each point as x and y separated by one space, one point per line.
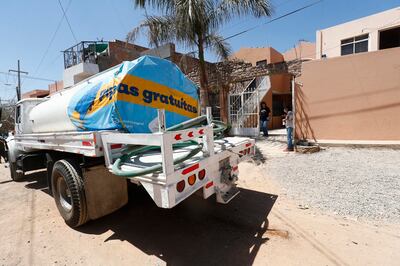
355 45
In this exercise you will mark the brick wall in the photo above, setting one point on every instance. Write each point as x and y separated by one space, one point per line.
119 51
57 86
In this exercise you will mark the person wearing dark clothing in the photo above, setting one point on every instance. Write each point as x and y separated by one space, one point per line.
3 150
264 118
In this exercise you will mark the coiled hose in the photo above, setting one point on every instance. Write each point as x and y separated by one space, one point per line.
133 150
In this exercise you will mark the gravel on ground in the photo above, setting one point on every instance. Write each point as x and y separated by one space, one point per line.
352 182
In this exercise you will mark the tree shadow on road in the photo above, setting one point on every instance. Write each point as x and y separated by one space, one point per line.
196 232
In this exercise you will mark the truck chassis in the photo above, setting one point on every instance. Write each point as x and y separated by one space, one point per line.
80 176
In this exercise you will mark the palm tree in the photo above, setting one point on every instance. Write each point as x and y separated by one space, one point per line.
194 24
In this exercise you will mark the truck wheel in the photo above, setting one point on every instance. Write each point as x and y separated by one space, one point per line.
69 192
15 175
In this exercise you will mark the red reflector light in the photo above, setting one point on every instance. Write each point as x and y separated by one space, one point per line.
180 186
115 146
248 144
202 174
235 168
190 169
209 184
86 143
192 179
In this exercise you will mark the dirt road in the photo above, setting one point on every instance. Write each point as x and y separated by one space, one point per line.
259 227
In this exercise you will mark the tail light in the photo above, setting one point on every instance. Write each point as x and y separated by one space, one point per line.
191 179
115 146
202 174
180 186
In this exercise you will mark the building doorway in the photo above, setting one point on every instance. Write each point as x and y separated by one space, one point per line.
279 102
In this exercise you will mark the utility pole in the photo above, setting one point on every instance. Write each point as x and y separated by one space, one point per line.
19 80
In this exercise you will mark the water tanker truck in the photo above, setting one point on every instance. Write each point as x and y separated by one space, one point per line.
137 122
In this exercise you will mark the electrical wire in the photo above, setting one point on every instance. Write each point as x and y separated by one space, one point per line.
52 39
28 77
247 19
273 20
66 19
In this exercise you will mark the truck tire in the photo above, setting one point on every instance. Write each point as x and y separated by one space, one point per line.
15 175
69 192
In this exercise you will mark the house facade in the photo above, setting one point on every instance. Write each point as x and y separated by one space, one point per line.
372 33
352 93
279 94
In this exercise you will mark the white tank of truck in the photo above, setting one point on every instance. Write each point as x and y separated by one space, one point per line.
52 115
125 97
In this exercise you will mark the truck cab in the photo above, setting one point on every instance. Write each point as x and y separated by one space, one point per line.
23 123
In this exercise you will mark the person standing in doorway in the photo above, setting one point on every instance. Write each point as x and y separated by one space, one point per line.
289 128
264 118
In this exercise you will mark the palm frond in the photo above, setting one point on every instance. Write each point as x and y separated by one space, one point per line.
159 30
256 8
218 45
158 4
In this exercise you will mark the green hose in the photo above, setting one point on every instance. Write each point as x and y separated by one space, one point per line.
134 150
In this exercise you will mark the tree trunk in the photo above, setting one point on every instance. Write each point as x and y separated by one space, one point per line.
203 78
223 102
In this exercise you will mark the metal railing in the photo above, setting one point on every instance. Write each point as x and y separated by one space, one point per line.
84 52
244 106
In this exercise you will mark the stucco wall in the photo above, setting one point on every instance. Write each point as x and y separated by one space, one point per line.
329 40
303 50
354 97
253 55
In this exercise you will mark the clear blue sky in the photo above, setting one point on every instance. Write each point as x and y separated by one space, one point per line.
26 28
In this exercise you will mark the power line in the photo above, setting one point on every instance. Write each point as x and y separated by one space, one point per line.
262 24
30 77
18 71
247 19
66 19
273 20
52 39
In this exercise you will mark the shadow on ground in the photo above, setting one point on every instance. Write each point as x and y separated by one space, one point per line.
196 232
258 156
36 180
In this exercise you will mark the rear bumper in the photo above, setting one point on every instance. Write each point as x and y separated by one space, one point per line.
221 173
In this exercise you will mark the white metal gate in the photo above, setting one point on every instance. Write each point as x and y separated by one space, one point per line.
244 107
244 113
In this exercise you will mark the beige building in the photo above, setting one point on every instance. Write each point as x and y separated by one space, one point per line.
258 55
353 98
367 34
302 51
350 98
